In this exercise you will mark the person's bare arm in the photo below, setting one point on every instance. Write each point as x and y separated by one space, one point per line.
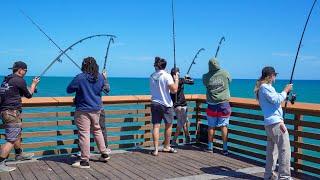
174 87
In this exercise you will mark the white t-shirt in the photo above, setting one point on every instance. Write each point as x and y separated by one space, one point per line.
159 87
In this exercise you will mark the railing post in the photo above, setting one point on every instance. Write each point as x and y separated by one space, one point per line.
198 120
297 140
147 131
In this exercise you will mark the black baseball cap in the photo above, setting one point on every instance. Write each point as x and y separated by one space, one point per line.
174 70
268 71
18 65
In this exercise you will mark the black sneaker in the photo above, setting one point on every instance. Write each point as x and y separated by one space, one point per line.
209 150
174 143
104 157
81 164
188 139
225 152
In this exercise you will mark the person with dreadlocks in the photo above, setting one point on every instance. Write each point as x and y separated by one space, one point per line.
278 142
102 119
88 87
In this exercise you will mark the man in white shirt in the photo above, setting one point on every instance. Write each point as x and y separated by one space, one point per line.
161 84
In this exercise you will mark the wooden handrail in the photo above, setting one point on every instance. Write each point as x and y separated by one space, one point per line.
297 108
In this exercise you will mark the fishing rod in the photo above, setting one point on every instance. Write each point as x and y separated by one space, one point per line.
174 43
173 35
111 40
193 61
293 97
218 48
70 47
50 39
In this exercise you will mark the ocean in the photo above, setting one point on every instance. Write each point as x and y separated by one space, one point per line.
306 90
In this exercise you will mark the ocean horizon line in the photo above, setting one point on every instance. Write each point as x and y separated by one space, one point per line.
148 77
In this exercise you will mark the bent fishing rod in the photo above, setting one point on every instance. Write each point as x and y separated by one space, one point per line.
50 39
111 40
293 98
194 59
218 48
70 47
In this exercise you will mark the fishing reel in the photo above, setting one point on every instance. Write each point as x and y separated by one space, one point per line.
188 79
293 98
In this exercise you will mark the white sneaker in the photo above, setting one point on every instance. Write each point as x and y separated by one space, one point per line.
108 151
81 164
24 156
5 168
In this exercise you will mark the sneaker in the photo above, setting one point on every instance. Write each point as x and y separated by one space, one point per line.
104 157
188 139
83 164
24 156
209 150
108 151
174 143
225 152
78 155
5 168
209 147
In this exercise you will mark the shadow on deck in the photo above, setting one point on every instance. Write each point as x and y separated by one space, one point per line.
191 162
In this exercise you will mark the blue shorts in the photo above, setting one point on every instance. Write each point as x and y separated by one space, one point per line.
218 121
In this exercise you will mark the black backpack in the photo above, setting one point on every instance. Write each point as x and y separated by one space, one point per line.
4 88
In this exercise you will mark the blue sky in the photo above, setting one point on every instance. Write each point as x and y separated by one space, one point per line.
258 33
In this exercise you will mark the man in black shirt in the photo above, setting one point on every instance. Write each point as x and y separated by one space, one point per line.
180 108
12 89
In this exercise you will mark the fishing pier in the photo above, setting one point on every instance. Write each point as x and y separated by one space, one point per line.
49 132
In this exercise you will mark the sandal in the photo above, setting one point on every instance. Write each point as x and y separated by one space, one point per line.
171 150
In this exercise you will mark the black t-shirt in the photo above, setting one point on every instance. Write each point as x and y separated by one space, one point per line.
181 100
12 89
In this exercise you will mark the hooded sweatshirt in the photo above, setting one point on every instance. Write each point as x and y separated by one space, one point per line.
12 89
88 92
217 83
159 88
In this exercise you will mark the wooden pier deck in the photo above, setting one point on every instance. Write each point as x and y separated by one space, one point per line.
191 162
50 132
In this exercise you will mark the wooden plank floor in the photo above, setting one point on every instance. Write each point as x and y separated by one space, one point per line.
189 163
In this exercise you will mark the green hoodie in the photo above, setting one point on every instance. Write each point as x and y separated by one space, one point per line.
217 83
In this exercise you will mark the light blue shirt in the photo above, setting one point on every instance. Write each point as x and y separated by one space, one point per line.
270 103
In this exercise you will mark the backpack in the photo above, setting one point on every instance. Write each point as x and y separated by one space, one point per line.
4 88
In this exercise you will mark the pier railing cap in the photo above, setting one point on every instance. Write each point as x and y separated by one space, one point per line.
303 108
